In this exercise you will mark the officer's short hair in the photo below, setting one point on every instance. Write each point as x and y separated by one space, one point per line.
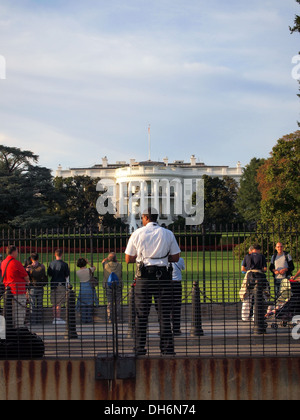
152 214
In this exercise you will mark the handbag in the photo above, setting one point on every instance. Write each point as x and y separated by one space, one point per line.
94 282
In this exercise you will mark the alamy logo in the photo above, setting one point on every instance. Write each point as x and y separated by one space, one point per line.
2 328
296 69
2 68
296 329
170 197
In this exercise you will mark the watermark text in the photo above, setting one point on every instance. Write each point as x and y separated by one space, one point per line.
169 197
296 68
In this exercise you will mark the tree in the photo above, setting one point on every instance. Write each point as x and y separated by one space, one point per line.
278 181
26 190
219 200
76 199
296 27
249 196
15 161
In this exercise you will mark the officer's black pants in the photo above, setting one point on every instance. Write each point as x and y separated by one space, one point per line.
161 290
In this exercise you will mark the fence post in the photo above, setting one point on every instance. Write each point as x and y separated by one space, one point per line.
91 247
71 332
115 320
259 310
8 311
204 262
131 310
196 328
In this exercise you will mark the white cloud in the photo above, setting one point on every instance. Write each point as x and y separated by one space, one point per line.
82 76
46 141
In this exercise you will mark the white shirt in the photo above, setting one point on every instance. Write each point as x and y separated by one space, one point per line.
152 244
84 274
178 267
281 263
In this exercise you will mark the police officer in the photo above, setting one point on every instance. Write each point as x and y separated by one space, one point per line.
152 248
255 265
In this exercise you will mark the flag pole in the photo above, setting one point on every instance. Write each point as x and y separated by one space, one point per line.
149 138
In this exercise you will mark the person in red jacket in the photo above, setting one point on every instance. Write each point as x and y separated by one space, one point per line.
16 278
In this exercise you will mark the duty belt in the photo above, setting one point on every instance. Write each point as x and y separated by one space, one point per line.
156 270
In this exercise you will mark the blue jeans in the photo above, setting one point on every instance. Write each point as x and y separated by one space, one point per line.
36 296
86 314
86 301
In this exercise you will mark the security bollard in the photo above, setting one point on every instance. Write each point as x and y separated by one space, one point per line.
71 332
196 328
131 309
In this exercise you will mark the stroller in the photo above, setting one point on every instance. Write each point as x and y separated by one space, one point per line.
287 306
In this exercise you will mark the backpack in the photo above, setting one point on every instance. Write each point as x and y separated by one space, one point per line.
253 278
21 344
113 279
38 275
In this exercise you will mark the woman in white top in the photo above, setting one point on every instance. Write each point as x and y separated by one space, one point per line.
87 298
178 267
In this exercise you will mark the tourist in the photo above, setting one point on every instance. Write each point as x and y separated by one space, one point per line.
296 276
256 267
38 280
112 268
59 272
178 267
16 278
244 263
87 298
281 266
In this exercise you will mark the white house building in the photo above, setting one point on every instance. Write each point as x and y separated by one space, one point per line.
131 187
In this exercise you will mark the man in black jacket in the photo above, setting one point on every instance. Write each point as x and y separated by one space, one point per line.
38 280
255 265
60 274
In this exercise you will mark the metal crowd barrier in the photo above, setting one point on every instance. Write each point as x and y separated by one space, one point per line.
205 330
211 311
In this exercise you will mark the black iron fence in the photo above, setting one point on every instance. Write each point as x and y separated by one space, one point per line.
206 303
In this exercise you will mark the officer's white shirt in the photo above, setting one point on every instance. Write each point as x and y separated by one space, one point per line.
151 243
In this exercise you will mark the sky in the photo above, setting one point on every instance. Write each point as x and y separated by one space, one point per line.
84 79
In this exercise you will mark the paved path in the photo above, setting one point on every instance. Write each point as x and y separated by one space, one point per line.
230 338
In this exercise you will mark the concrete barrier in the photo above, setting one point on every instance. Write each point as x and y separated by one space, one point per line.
157 379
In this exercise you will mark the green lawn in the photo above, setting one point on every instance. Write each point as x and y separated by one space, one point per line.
218 274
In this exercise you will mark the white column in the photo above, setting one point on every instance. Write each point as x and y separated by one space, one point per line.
130 199
156 194
168 209
122 205
143 204
166 198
